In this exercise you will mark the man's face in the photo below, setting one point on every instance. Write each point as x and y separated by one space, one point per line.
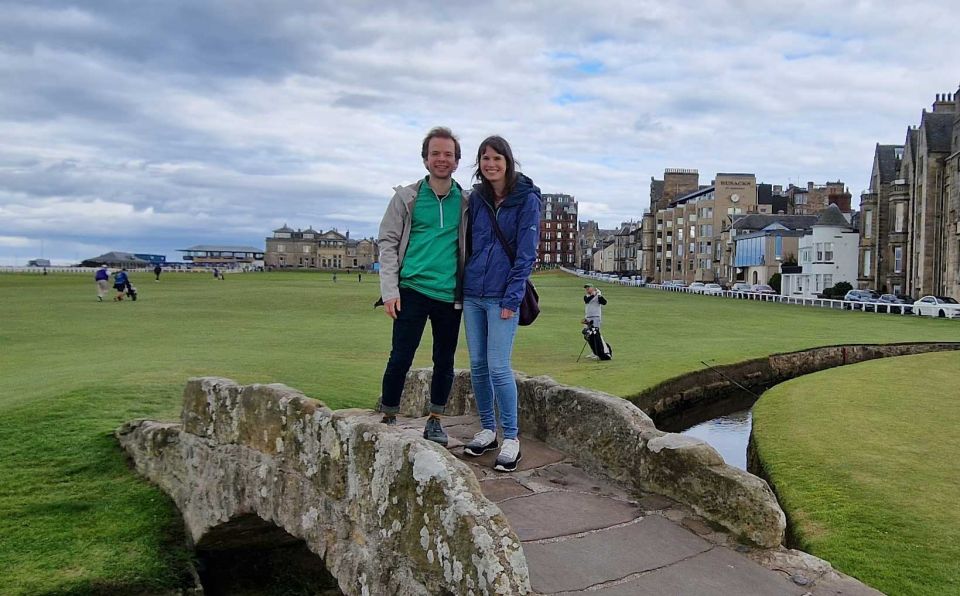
441 159
591 291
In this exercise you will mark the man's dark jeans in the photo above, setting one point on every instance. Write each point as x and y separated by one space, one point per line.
415 309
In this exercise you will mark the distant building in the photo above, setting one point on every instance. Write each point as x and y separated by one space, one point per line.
312 249
231 257
558 231
604 258
685 235
152 259
688 235
884 216
38 263
116 259
815 198
676 182
827 256
626 246
763 242
770 199
910 225
588 241
362 253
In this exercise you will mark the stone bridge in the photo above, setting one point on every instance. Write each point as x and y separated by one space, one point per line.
602 501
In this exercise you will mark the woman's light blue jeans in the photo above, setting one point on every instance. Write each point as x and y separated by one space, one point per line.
490 342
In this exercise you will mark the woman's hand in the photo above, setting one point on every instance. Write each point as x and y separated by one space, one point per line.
506 313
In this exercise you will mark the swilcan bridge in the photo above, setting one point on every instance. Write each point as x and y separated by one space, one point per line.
603 502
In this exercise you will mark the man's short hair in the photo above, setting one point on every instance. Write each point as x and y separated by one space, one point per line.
440 132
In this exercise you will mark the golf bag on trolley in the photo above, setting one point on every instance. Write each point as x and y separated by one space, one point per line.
600 348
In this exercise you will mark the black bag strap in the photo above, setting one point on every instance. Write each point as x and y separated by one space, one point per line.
496 228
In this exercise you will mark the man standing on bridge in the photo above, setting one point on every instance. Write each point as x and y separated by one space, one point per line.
422 250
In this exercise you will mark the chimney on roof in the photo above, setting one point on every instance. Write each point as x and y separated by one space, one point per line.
944 103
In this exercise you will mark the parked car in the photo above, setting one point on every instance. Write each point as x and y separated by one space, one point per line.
762 289
741 287
696 287
937 306
713 289
895 304
678 283
861 299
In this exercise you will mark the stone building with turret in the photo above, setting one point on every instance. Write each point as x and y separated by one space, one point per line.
910 227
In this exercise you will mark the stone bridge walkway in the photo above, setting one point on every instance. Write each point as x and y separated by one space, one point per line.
582 534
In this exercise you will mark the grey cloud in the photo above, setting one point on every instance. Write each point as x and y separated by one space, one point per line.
358 101
216 119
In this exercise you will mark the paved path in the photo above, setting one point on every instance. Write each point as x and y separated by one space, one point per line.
582 534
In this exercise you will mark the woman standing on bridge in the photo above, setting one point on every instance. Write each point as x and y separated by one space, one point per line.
504 231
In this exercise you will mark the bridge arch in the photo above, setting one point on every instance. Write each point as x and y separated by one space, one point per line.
387 512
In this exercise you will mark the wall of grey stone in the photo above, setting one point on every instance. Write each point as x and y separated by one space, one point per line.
387 512
610 435
709 386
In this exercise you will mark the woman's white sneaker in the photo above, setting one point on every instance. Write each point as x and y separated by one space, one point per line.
483 441
509 456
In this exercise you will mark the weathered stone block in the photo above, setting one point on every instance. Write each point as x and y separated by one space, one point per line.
611 435
388 513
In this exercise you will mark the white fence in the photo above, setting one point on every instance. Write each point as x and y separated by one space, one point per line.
90 270
57 269
953 311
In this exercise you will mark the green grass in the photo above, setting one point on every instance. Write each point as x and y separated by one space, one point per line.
864 459
73 519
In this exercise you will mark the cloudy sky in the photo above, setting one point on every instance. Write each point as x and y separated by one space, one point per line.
153 126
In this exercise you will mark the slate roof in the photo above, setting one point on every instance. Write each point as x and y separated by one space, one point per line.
938 126
831 216
283 229
888 163
911 143
758 221
118 258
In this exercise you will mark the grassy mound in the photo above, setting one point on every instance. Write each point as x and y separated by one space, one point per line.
864 460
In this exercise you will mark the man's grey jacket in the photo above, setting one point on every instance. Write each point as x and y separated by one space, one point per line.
394 237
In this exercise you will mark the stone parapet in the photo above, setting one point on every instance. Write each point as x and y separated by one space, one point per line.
389 513
716 383
612 436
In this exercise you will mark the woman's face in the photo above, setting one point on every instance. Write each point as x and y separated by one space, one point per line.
493 166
